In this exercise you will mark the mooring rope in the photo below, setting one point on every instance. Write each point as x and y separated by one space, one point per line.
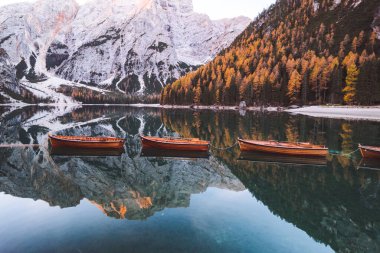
226 148
345 154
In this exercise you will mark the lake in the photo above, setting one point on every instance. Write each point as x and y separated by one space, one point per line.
227 202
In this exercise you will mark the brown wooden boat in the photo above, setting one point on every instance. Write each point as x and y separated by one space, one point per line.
283 148
170 143
59 141
370 152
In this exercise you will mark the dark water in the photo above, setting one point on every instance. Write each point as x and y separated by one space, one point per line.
229 202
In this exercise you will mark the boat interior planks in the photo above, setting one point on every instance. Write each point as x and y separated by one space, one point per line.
86 142
179 144
283 148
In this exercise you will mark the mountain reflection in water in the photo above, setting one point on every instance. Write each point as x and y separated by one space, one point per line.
120 186
332 201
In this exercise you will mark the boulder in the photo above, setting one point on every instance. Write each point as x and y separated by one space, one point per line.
293 107
242 105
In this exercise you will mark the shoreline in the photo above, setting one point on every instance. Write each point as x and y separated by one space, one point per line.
340 112
224 108
198 107
371 113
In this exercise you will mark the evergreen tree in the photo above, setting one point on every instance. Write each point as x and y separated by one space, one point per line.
294 86
197 95
351 81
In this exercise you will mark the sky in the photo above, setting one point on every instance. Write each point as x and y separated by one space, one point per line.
216 9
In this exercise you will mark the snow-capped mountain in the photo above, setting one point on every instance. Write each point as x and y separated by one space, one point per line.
123 45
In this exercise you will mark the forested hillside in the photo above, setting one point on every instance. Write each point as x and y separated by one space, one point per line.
296 52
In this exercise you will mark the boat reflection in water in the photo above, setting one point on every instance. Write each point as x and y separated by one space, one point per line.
175 154
99 152
370 164
257 157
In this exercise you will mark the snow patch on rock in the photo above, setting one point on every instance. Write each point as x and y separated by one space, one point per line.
137 45
47 90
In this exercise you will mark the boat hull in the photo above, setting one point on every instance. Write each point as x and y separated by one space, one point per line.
86 143
253 146
370 152
156 144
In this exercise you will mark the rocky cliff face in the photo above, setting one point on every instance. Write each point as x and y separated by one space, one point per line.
11 90
129 46
28 30
8 81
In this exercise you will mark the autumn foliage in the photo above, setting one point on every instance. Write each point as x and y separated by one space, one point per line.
293 53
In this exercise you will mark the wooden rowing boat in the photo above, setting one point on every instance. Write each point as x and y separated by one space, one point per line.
60 141
169 143
283 148
370 152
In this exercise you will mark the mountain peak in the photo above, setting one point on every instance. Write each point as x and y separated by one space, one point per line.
56 4
178 5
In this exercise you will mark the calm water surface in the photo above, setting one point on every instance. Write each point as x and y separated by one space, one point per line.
228 202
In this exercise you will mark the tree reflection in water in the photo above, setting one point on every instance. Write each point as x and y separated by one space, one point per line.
335 203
